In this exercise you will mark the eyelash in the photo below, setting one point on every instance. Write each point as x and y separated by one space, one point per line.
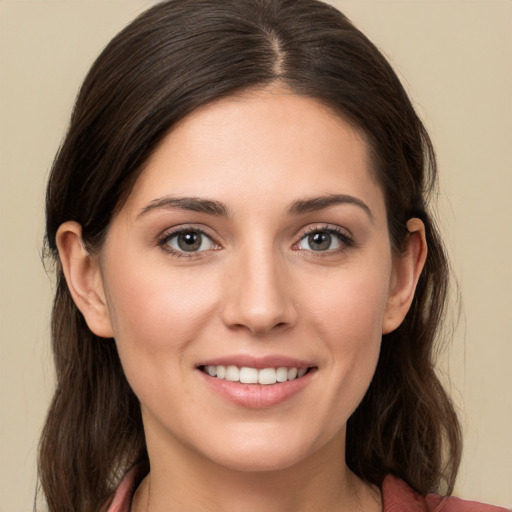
345 240
164 240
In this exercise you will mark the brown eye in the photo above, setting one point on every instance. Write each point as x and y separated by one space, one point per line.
324 240
189 241
320 241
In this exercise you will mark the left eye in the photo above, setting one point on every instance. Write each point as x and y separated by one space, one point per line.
189 241
321 240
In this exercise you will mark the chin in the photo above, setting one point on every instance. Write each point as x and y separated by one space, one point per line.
261 453
249 462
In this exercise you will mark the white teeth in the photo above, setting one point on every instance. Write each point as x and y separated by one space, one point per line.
221 372
292 373
247 375
267 376
282 374
232 373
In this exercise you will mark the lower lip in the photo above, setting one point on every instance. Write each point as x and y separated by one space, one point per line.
257 396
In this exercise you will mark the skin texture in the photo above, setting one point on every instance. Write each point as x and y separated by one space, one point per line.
256 288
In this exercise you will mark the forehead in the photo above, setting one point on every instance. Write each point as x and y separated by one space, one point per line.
267 145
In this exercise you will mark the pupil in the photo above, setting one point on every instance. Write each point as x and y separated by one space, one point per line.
189 241
320 241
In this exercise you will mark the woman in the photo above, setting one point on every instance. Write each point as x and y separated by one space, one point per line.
249 280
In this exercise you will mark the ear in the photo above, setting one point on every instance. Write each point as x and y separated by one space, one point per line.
83 277
407 268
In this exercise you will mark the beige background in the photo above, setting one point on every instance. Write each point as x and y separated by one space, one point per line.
455 56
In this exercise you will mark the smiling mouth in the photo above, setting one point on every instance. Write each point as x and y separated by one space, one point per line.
248 375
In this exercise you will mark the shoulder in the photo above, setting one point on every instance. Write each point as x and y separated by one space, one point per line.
397 496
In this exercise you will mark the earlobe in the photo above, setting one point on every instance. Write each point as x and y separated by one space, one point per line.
406 273
83 277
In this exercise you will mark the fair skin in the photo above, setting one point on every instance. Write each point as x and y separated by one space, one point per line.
256 236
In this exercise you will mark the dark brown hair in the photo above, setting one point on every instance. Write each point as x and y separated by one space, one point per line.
174 58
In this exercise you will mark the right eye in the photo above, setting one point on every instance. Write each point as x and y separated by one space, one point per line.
187 241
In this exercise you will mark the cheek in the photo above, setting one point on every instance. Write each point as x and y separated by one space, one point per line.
155 303
354 336
348 320
351 305
156 316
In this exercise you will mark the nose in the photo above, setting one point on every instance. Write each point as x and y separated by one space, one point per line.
258 295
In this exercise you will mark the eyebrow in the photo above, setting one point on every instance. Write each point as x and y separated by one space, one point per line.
212 207
192 204
320 203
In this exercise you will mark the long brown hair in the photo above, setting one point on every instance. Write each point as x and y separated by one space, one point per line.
174 58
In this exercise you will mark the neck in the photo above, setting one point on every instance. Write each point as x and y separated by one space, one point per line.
190 482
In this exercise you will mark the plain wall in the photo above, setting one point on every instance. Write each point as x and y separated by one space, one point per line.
455 58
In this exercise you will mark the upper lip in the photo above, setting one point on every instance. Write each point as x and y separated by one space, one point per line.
268 361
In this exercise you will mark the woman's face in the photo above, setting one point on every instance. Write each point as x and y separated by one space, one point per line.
255 238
